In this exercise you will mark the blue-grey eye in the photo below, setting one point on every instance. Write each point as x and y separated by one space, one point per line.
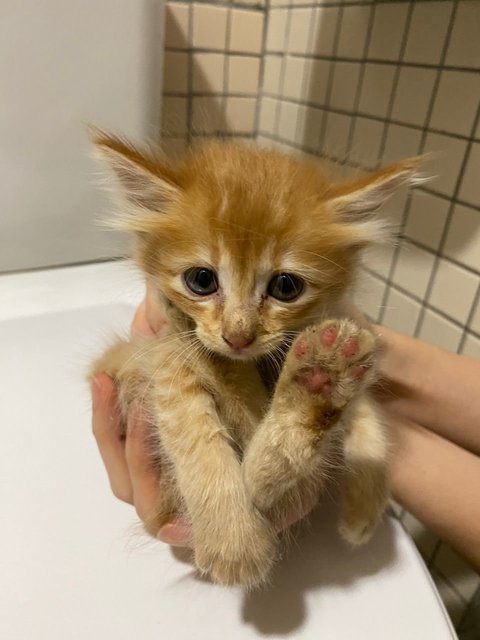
201 281
285 287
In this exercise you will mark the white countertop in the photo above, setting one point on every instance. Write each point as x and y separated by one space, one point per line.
73 564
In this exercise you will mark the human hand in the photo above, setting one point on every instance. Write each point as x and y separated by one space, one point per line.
124 454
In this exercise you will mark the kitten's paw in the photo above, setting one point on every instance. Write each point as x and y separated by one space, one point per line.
358 532
237 553
332 362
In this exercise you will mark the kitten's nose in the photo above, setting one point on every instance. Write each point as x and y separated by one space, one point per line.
238 341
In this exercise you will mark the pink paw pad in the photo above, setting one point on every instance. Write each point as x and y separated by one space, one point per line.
350 347
317 382
300 349
328 337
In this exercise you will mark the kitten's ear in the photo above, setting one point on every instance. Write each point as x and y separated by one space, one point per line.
143 181
356 201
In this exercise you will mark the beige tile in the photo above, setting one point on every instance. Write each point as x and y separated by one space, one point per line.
427 32
344 86
401 313
470 187
271 74
376 89
287 128
453 290
475 323
456 102
459 574
174 148
464 47
317 74
240 114
447 158
413 269
268 111
207 116
423 538
209 26
387 32
353 31
176 25
293 79
426 219
174 116
300 30
471 348
439 331
310 122
324 29
394 208
175 72
208 72
337 129
366 142
243 74
463 239
413 94
246 31
369 295
453 603
402 142
378 258
277 21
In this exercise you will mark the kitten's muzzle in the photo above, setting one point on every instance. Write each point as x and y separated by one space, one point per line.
238 342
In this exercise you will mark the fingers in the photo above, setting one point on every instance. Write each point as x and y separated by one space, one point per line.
176 533
107 429
140 324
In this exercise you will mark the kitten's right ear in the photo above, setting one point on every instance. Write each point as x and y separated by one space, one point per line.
143 181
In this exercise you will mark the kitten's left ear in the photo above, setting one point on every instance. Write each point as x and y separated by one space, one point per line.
356 201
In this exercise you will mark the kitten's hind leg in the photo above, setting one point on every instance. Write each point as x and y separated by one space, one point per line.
365 487
326 367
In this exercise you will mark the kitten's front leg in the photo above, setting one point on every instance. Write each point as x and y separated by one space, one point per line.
327 366
233 542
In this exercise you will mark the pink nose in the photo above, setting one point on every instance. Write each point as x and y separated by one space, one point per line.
238 342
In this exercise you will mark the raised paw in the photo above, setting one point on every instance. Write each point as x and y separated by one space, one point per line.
333 361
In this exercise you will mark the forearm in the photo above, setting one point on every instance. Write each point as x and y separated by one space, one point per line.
432 387
438 482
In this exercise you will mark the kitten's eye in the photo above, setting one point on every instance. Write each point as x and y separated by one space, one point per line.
201 281
285 286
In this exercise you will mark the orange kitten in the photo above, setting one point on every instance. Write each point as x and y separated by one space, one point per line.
251 254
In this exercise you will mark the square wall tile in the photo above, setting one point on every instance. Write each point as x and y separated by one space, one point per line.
353 32
337 129
427 32
207 115
463 239
369 295
177 25
437 330
324 30
243 74
453 290
413 95
379 258
471 347
271 74
470 187
209 26
366 142
424 540
288 121
208 72
413 269
426 218
464 47
246 31
388 29
240 114
475 322
174 116
393 210
456 102
277 24
310 124
293 80
344 86
460 575
174 148
175 72
316 82
401 142
454 604
447 157
268 114
401 312
377 89
301 22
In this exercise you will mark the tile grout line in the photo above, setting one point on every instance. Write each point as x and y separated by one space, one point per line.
261 71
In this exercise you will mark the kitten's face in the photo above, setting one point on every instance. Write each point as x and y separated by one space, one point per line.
251 245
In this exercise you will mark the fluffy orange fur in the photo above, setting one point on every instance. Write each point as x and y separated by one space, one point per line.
241 463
